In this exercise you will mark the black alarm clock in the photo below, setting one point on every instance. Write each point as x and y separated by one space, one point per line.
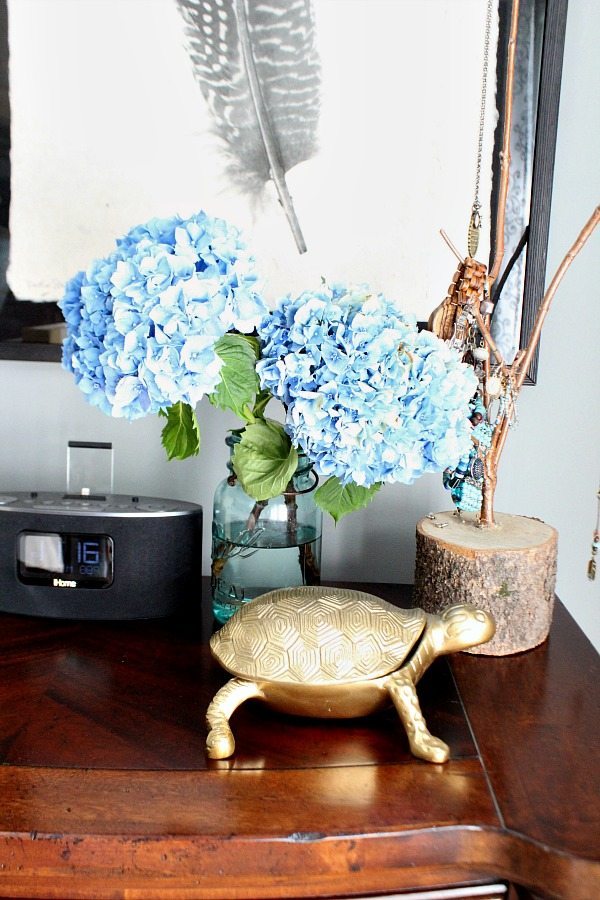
98 556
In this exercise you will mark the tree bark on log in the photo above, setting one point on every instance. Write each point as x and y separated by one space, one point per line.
509 571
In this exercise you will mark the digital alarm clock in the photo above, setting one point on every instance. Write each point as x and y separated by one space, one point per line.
98 556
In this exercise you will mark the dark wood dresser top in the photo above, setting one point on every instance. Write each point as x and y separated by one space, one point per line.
105 789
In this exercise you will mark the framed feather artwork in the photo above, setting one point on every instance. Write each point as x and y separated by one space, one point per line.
125 110
339 135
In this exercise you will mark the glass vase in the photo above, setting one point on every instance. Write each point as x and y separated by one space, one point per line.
258 546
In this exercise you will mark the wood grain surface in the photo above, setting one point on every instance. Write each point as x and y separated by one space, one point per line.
509 571
105 789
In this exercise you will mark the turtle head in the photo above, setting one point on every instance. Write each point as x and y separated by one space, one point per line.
465 626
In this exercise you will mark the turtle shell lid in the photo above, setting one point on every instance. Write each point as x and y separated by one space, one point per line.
317 635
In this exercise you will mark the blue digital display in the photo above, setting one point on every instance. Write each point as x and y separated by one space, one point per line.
65 560
88 557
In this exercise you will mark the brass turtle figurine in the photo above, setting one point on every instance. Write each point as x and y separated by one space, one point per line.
335 653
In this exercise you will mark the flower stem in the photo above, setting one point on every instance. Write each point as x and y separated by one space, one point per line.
292 513
260 404
255 512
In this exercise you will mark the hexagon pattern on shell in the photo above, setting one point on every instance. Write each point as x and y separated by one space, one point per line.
345 635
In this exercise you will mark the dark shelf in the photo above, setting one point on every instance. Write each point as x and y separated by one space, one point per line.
15 315
30 352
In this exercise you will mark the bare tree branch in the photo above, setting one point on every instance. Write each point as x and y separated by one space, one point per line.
542 312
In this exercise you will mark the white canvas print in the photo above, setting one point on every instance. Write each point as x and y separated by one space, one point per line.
123 110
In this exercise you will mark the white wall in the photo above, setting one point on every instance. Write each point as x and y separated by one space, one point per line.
42 410
551 464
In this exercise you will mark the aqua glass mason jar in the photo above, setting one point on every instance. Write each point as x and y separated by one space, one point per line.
258 546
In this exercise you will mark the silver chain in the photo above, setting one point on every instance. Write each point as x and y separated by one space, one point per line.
475 221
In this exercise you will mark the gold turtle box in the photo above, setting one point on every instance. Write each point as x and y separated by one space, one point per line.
335 653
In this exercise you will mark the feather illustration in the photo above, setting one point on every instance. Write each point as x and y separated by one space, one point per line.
258 68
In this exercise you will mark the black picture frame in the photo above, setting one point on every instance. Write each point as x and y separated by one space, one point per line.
18 314
552 14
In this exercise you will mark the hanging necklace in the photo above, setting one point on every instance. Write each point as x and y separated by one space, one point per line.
453 319
591 571
475 220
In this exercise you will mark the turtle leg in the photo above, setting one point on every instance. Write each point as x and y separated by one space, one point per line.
457 628
220 742
423 744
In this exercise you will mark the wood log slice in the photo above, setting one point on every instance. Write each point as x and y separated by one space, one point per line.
508 570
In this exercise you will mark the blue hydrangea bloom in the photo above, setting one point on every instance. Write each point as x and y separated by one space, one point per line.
142 323
368 397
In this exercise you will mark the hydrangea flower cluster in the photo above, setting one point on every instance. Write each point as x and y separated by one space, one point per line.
368 397
143 322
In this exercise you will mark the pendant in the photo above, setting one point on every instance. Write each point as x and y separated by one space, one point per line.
474 230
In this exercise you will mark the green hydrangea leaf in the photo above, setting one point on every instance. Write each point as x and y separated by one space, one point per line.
239 382
181 434
339 500
264 460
